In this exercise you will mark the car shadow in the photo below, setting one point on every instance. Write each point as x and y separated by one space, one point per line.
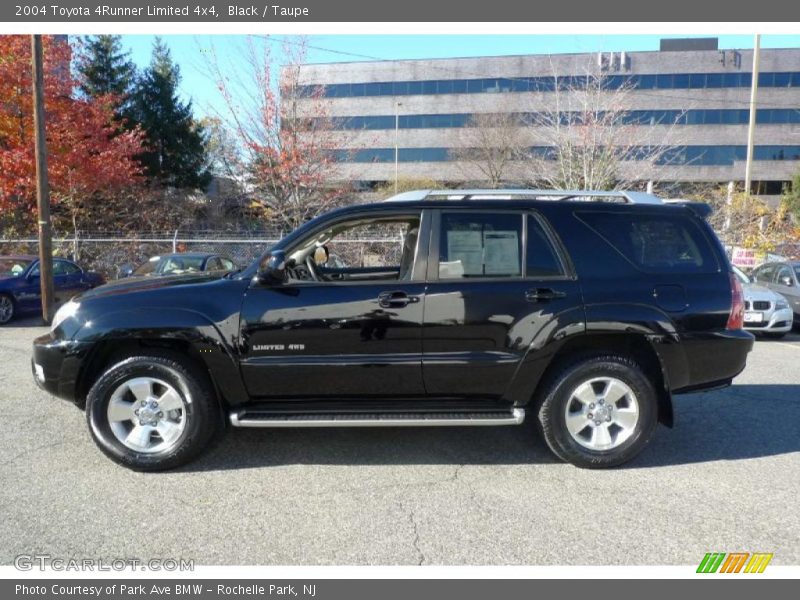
22 322
740 422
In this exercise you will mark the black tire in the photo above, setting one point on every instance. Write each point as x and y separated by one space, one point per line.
7 308
202 414
556 392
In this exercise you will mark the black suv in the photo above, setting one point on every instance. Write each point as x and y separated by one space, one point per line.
582 310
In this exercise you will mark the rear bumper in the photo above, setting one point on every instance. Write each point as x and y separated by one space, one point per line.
56 365
713 359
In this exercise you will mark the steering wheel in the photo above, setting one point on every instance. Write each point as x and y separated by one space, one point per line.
313 269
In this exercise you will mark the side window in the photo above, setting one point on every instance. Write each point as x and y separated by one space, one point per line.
765 273
63 267
657 243
214 264
228 264
480 245
363 249
541 259
784 274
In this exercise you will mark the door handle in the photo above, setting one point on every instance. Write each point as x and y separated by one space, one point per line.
396 299
538 294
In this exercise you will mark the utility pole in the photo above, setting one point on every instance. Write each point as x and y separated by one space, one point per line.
42 186
751 131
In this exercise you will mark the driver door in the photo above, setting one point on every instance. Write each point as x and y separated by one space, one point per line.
350 331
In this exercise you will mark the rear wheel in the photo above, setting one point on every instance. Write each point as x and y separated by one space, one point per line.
153 412
6 308
598 412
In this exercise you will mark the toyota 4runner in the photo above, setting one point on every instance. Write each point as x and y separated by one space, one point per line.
582 311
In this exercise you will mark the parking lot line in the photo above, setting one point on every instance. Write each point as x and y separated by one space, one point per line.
789 345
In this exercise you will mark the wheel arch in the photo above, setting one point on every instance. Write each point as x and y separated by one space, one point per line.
190 335
635 346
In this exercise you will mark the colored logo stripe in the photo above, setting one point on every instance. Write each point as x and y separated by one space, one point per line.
717 561
734 562
757 563
711 562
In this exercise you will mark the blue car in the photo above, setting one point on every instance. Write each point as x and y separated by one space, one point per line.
20 287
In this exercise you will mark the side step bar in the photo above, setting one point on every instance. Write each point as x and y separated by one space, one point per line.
265 419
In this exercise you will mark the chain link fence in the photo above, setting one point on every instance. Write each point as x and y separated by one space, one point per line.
109 252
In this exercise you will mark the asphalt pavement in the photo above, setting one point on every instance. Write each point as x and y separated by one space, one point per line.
725 479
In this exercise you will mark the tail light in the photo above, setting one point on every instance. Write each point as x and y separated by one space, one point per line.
736 316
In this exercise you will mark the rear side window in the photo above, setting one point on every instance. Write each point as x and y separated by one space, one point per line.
480 245
655 242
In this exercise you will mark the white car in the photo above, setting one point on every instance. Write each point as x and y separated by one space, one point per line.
765 312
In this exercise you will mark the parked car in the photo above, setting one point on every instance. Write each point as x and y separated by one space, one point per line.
766 312
20 289
584 311
782 277
180 263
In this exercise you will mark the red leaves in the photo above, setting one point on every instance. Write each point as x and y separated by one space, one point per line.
89 154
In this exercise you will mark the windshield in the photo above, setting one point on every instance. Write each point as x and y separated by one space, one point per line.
13 267
171 265
797 272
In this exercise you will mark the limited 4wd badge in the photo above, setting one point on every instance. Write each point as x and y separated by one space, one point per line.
278 347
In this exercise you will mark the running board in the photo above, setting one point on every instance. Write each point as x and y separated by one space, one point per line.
265 419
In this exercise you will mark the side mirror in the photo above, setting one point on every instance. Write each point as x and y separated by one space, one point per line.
787 281
272 268
126 271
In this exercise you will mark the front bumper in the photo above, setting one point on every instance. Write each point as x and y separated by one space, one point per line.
56 365
779 321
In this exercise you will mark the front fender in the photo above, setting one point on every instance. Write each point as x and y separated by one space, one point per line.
212 343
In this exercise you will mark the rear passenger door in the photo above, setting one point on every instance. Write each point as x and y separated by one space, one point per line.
496 285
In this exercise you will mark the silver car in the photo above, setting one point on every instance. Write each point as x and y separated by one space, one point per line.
782 277
765 312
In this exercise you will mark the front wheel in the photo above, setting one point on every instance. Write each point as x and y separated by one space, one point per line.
598 412
6 309
151 413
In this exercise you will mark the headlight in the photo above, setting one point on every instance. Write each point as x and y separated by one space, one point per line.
67 310
781 303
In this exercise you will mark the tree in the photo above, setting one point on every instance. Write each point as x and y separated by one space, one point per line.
104 69
175 153
791 198
585 137
289 142
491 147
90 158
747 221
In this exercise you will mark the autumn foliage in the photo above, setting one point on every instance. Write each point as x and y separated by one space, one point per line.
90 154
288 138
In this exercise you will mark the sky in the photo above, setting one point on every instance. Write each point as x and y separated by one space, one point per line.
188 50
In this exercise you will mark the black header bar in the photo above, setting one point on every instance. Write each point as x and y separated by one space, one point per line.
321 11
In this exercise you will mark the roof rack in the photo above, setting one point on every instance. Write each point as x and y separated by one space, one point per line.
624 196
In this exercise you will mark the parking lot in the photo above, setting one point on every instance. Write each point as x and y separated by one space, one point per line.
726 478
